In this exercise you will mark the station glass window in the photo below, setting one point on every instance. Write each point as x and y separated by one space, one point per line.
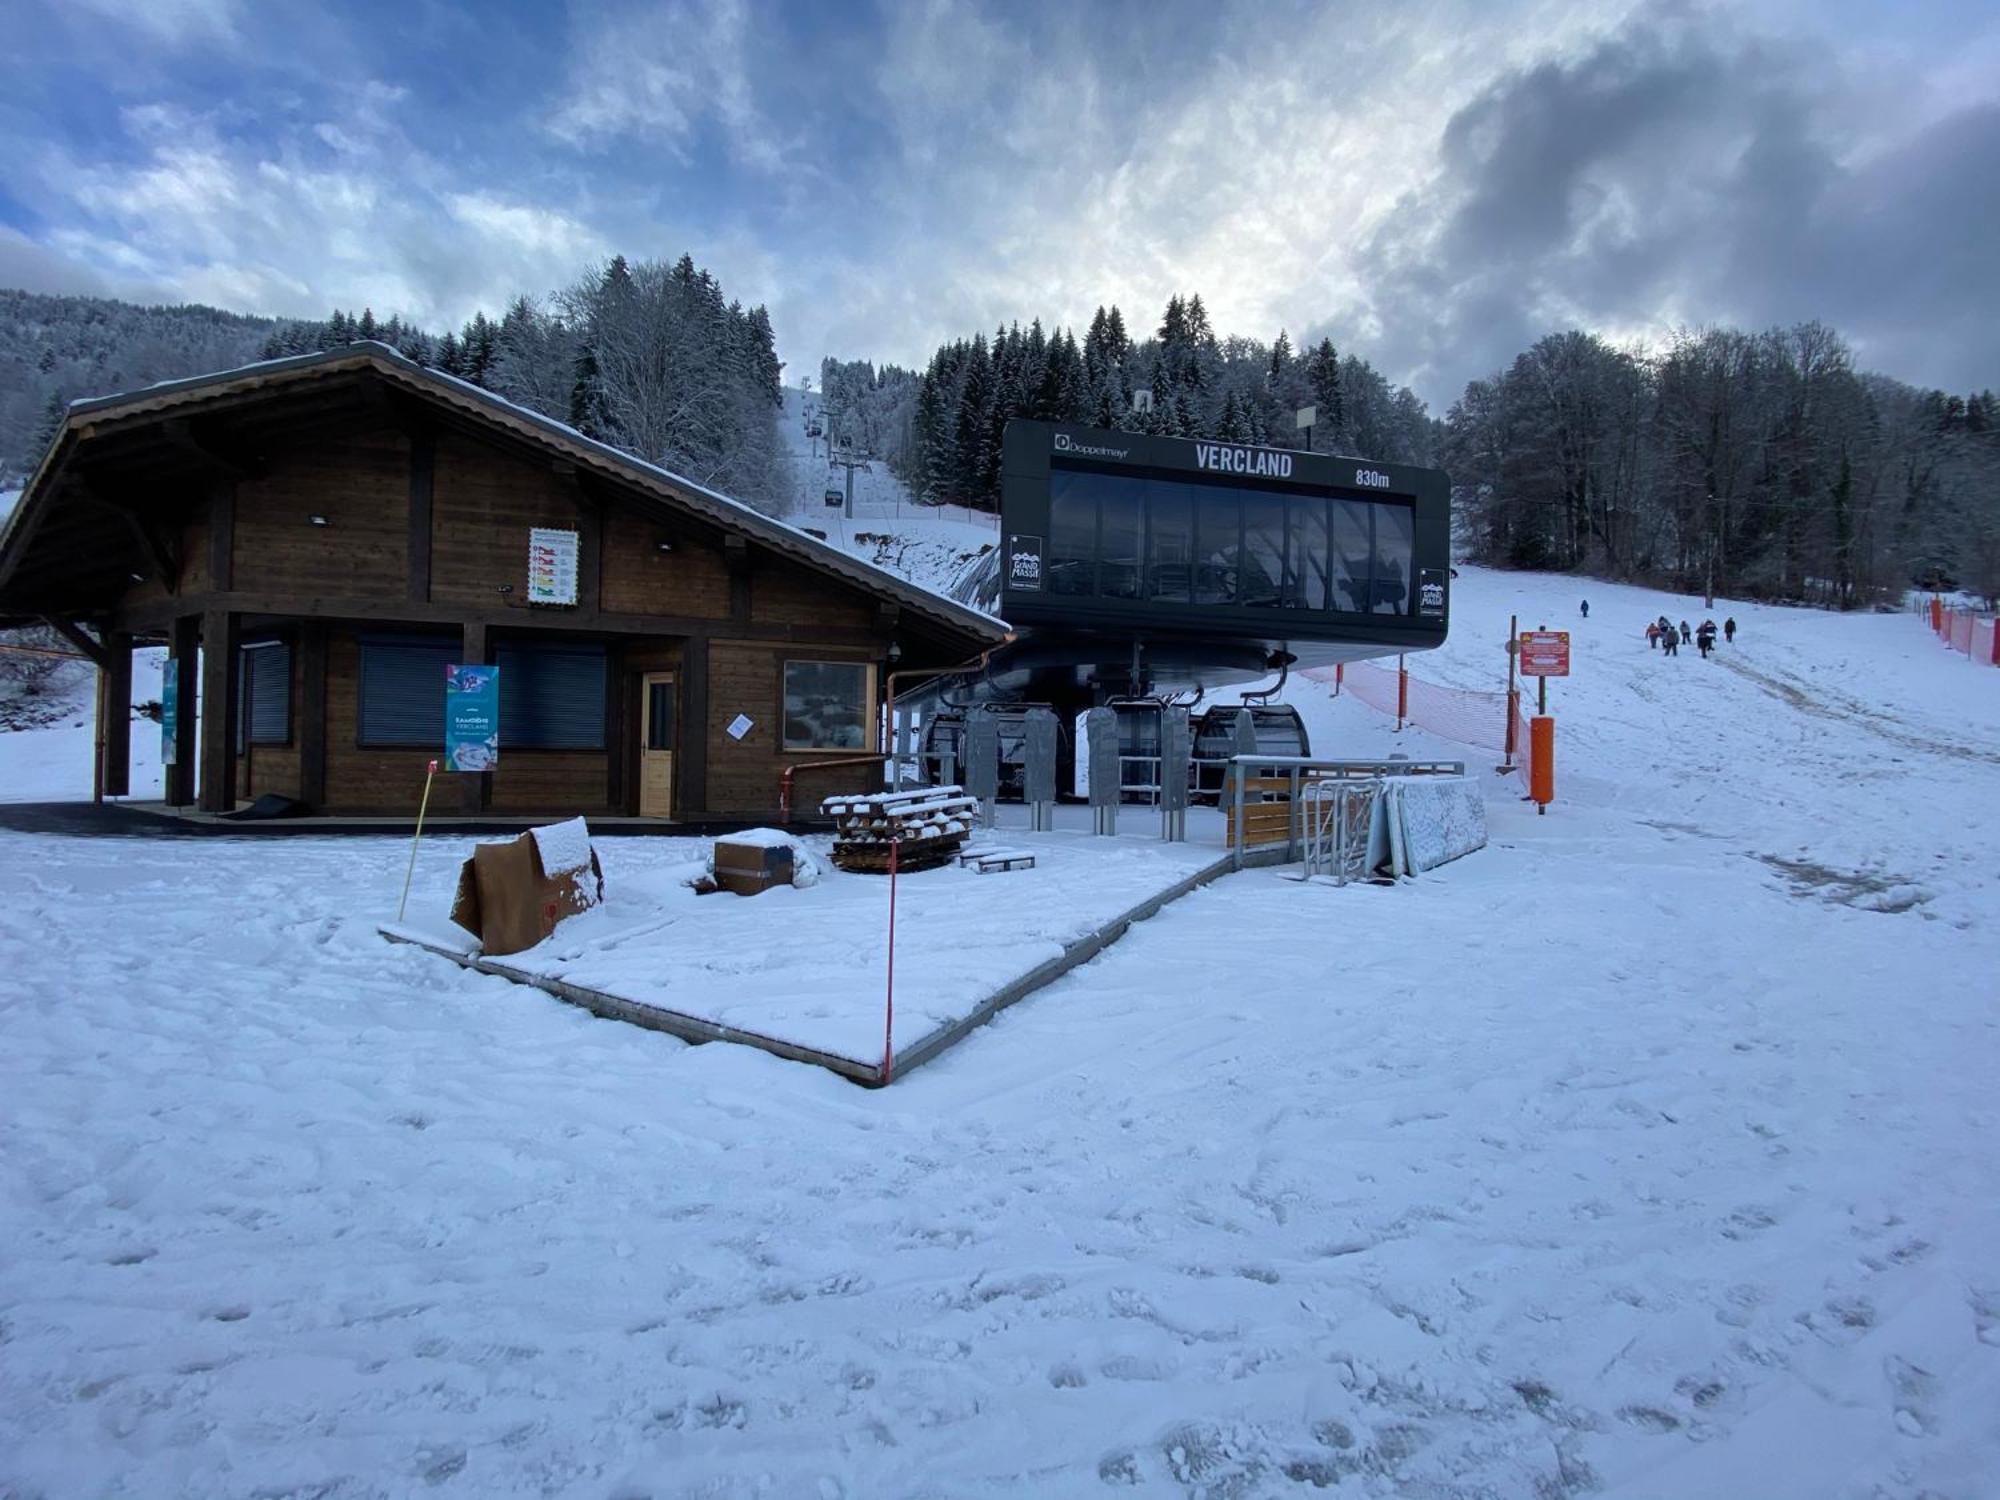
1169 541
1353 543
1307 559
551 695
827 705
1261 578
1218 533
1394 544
1072 566
1121 529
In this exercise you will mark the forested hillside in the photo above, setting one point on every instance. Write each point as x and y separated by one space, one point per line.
1188 381
648 356
644 355
1764 462
54 350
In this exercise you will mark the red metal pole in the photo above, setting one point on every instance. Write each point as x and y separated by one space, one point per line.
1402 692
1339 676
889 1005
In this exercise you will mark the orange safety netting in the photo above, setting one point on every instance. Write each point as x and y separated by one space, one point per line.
1462 714
1967 632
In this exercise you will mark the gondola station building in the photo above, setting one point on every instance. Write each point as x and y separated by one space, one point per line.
317 540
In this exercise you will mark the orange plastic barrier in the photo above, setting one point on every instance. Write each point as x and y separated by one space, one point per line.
1542 779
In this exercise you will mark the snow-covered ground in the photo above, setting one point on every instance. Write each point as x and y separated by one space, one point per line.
808 965
1651 1151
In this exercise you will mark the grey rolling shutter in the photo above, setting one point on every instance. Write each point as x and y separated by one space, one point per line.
402 691
551 697
267 694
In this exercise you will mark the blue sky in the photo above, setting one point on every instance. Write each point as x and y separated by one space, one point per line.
1432 185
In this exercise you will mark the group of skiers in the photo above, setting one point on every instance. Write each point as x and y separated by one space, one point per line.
1665 636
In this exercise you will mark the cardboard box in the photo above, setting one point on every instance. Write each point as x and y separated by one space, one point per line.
509 903
748 868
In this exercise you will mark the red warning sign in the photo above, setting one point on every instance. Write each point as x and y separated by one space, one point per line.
1545 653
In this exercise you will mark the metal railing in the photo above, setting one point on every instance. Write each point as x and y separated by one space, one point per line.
1299 772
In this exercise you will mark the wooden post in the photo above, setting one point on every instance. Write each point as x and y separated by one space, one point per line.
475 788
183 637
691 733
115 690
219 688
312 714
618 684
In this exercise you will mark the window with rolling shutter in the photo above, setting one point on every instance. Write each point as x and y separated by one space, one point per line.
402 690
264 695
551 696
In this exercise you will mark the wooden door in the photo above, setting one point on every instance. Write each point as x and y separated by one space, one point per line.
656 745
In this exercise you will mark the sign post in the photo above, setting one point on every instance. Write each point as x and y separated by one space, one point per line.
1544 654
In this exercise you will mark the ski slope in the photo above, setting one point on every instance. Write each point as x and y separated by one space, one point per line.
1650 1152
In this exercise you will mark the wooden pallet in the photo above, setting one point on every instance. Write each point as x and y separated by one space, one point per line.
872 858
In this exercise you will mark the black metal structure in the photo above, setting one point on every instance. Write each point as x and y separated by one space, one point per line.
1132 565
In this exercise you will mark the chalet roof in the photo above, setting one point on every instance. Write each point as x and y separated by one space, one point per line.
28 536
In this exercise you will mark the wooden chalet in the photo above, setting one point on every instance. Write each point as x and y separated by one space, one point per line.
314 539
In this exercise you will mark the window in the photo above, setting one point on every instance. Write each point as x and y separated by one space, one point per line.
402 690
1308 563
1218 539
1072 564
1121 518
827 705
1170 541
551 696
264 697
1394 543
1353 545
1261 578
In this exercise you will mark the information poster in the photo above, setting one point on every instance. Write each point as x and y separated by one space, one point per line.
471 717
551 566
170 699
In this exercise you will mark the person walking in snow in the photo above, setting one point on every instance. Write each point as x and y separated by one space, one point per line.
1705 638
1669 642
1687 634
1653 635
1586 609
1729 630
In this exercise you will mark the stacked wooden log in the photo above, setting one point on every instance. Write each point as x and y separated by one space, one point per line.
927 824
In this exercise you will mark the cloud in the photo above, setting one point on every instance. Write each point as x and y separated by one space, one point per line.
1675 173
343 212
1433 187
177 23
655 72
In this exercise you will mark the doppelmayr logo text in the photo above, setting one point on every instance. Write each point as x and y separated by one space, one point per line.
1067 444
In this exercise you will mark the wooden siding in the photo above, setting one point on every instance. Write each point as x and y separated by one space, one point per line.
360 483
640 579
550 781
744 775
483 504
358 780
784 595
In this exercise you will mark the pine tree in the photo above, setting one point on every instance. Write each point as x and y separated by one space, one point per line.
1323 375
1229 427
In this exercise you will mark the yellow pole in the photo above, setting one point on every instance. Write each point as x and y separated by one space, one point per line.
429 772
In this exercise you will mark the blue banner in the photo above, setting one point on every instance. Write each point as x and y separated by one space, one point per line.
471 717
170 697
